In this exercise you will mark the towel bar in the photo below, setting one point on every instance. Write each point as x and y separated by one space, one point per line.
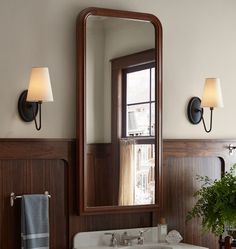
14 197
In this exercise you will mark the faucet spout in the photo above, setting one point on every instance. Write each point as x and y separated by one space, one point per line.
126 239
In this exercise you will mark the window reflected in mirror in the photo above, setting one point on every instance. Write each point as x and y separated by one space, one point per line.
144 174
137 145
139 84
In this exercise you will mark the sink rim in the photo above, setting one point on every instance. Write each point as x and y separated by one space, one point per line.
148 246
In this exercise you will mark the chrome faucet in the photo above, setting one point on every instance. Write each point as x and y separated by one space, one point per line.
126 239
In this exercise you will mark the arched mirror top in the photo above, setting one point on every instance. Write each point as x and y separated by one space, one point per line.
119 111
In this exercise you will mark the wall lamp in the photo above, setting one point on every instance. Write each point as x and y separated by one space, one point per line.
212 97
39 91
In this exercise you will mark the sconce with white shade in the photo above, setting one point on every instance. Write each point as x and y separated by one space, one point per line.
212 97
39 91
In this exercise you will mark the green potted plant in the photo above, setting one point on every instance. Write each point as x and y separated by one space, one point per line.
216 203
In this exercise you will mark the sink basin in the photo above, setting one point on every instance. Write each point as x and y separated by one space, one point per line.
163 246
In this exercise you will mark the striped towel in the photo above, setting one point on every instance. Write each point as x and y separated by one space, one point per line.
34 222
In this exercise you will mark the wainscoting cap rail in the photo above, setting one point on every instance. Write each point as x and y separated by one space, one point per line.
14 197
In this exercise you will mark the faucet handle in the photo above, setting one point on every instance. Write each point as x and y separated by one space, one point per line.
113 241
141 238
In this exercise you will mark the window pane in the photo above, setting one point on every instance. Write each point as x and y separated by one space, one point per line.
138 117
153 119
144 174
153 84
138 86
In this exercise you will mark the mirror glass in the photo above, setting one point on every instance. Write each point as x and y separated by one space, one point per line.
120 125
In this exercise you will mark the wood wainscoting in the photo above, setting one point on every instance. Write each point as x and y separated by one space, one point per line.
36 165
99 175
183 161
32 167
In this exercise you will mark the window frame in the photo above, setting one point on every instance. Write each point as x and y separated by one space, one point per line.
148 138
117 66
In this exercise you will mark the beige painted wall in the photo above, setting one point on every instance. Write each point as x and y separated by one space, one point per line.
199 42
95 46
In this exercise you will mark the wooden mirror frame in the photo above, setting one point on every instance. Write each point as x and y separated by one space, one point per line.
80 111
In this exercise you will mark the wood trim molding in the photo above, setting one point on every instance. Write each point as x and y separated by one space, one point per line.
36 149
200 148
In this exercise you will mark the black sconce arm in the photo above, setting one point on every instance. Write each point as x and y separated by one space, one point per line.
38 127
28 111
204 124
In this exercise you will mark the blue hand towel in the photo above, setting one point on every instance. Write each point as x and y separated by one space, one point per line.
34 222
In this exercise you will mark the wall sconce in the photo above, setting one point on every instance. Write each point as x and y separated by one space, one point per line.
212 97
39 91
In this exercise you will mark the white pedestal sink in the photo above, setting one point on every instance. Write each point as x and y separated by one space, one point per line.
98 240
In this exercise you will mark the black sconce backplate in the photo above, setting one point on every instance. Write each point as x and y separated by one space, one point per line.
27 110
195 111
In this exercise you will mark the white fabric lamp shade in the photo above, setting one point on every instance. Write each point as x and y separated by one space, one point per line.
40 85
212 95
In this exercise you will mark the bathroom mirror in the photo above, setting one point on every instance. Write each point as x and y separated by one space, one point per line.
119 104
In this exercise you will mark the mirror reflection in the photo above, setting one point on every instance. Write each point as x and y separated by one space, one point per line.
120 112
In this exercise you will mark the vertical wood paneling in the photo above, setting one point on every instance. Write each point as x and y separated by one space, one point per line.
31 177
183 160
100 184
31 167
179 186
